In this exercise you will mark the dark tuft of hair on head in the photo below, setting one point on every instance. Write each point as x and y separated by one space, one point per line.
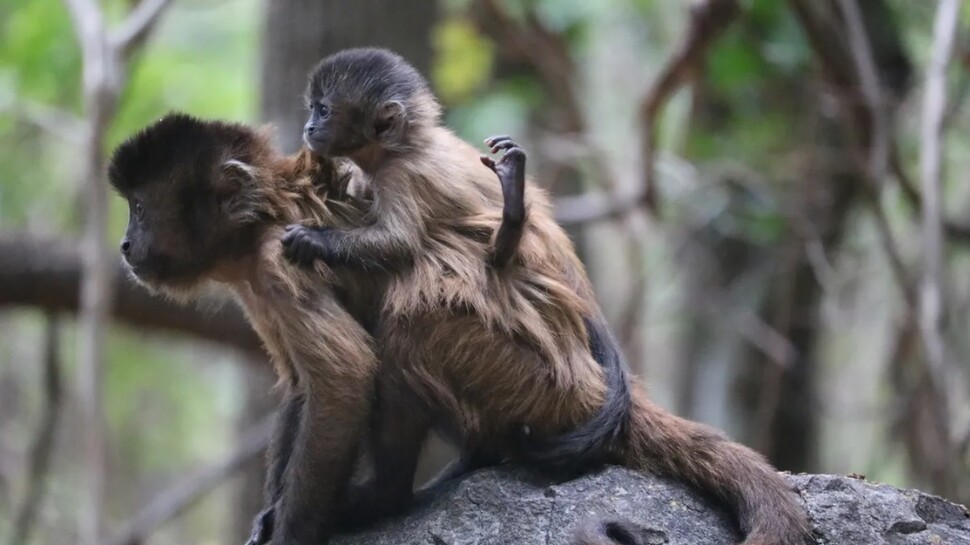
175 139
374 76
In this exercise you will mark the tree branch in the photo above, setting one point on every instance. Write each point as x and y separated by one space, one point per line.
86 16
872 91
596 206
105 70
931 128
45 272
42 449
180 497
954 230
543 50
54 121
132 33
708 19
878 139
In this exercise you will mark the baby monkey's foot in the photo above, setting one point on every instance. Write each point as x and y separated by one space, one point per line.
510 168
302 245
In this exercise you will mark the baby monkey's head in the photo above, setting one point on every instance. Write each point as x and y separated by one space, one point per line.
361 99
186 182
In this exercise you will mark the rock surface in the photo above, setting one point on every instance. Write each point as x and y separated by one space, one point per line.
511 507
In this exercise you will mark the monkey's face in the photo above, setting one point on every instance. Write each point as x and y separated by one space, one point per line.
334 130
187 203
361 99
158 244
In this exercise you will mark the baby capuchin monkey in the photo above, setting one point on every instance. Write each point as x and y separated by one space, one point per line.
490 350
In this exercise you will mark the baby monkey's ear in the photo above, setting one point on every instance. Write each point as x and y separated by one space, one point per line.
236 191
390 121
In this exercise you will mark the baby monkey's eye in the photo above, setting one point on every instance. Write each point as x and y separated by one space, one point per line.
138 208
322 110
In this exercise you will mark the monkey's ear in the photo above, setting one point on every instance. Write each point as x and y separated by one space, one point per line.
240 172
235 189
390 121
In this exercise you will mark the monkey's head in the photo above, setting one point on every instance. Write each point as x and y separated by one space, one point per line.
359 98
189 185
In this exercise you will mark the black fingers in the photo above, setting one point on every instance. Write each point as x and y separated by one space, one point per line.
510 170
515 153
488 161
514 157
302 245
492 140
498 143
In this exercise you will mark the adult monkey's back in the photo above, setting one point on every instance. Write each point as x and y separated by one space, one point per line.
371 106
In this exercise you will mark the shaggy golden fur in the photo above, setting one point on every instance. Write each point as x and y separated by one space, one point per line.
489 351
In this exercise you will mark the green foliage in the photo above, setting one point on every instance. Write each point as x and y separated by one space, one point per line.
735 65
567 16
504 110
40 64
166 410
39 54
463 62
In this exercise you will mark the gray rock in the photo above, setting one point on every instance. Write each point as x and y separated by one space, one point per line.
510 506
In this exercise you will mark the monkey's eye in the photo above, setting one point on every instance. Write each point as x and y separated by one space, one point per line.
138 208
322 110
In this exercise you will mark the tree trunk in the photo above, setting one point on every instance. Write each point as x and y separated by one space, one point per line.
298 33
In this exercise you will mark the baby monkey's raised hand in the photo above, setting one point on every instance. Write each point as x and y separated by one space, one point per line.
303 244
510 169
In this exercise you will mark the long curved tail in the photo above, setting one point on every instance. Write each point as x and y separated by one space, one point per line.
766 507
588 445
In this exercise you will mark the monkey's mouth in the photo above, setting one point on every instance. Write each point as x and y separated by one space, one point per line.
317 144
141 273
157 272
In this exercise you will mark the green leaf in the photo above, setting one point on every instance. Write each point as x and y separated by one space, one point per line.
463 62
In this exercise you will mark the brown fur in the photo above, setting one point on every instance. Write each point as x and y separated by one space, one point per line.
490 351
521 329
216 198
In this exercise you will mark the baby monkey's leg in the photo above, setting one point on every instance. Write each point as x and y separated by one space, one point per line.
399 431
511 174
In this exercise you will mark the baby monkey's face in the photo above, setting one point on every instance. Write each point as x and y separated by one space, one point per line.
360 101
334 128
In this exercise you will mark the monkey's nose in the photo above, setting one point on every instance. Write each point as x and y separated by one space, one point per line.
125 247
309 128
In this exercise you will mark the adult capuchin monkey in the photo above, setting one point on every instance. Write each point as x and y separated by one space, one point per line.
488 353
208 203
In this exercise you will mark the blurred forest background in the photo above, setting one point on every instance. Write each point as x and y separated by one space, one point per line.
771 198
